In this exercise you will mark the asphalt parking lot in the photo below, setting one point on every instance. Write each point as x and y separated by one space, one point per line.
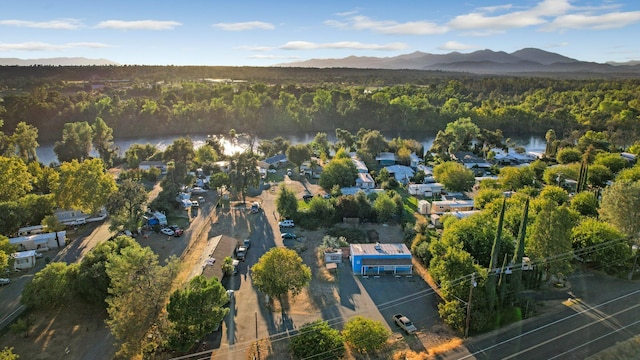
408 295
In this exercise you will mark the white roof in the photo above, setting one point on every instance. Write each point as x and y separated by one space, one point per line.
24 254
379 249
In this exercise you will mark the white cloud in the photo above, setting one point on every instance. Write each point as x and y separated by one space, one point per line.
536 15
595 22
390 27
556 45
138 25
58 24
242 26
40 46
454 45
352 45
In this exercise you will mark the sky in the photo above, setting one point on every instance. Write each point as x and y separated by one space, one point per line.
265 33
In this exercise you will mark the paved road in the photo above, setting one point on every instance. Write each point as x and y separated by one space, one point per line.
602 311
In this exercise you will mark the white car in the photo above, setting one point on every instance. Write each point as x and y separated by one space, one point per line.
286 223
167 231
4 281
195 204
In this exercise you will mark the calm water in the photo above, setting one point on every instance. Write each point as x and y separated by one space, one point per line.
47 156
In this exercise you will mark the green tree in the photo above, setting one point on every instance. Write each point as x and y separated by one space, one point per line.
630 174
601 244
568 155
6 249
513 178
243 173
373 142
75 143
550 149
317 340
15 179
138 289
44 177
92 282
205 154
463 132
196 311
454 176
25 138
126 206
51 286
320 144
280 271
286 203
339 171
384 207
84 186
585 203
599 175
103 141
298 154
7 354
613 161
550 239
555 194
365 335
181 153
485 196
620 207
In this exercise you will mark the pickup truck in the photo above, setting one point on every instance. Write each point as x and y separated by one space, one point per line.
404 323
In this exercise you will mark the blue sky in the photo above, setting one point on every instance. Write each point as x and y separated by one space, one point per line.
263 33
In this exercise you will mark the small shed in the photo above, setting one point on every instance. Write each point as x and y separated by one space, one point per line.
24 260
367 259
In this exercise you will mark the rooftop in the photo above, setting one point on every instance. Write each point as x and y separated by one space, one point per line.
379 249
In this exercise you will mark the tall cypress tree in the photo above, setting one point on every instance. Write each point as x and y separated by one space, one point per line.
517 259
491 280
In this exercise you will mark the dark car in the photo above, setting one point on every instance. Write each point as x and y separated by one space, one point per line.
178 232
307 197
288 236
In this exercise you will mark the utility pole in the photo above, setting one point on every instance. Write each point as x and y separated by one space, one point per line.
473 285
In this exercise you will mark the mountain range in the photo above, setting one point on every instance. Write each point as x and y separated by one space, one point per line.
61 61
527 60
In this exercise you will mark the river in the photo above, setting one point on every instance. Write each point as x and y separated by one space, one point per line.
47 156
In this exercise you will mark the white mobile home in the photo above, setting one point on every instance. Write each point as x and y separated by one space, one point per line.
42 242
32 230
24 260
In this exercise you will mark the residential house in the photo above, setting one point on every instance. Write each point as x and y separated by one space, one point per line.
386 159
365 181
471 161
360 165
442 206
276 161
403 174
374 259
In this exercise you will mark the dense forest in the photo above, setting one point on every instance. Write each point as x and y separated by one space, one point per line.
147 100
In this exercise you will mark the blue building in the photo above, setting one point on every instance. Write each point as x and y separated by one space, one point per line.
373 259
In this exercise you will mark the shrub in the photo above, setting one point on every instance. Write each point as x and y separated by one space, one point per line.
317 340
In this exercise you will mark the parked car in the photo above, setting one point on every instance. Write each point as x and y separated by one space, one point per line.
4 281
272 171
404 323
307 197
255 207
288 236
241 253
286 223
178 232
167 231
38 255
195 203
247 243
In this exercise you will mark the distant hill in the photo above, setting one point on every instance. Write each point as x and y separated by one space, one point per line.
524 61
62 61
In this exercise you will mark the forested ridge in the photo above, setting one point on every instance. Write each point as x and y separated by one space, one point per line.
167 100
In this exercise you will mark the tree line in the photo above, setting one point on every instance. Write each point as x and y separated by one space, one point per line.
185 105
